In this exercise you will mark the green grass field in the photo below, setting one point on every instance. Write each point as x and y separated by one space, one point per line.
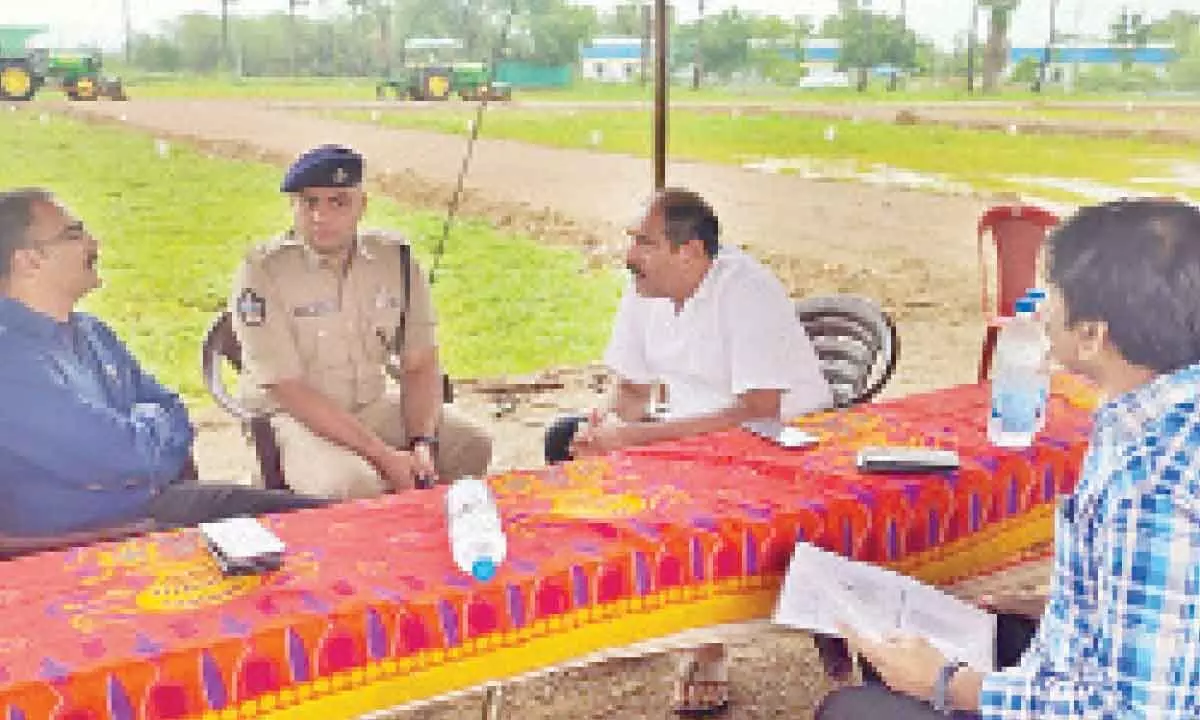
146 86
173 230
985 160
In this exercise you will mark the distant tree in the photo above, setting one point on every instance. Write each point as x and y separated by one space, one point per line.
554 31
869 39
1128 33
624 21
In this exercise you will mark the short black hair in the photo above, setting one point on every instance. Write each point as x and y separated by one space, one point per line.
1135 266
16 215
687 216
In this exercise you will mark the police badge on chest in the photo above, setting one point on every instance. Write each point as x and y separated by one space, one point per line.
251 308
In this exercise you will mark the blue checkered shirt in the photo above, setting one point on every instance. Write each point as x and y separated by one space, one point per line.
1120 637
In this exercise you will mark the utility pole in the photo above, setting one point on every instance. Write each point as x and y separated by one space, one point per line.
1048 53
647 33
867 48
128 24
697 56
971 46
385 37
225 33
292 37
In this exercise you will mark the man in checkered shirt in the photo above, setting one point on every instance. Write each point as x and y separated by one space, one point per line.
1120 634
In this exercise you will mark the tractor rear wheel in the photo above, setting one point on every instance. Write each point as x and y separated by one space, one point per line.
16 80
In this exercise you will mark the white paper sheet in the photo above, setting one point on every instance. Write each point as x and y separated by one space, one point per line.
823 590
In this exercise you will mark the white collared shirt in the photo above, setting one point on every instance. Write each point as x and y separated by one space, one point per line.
738 332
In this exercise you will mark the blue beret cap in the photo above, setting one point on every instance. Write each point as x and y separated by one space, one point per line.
324 166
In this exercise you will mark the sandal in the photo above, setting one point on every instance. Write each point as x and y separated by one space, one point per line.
701 689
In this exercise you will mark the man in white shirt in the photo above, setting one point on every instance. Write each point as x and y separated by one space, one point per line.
718 329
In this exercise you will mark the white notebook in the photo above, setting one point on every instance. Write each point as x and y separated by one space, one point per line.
823 590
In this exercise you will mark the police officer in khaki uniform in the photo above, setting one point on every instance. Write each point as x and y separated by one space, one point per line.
324 318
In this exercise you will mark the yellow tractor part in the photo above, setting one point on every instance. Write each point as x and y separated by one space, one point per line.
85 89
438 87
15 82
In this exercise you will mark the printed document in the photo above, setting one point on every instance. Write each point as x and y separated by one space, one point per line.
823 590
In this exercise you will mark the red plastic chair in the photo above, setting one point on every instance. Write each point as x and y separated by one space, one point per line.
1018 232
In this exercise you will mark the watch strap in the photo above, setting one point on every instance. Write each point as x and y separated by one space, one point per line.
422 440
941 685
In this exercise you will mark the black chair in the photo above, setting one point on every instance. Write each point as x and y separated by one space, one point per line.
221 346
856 342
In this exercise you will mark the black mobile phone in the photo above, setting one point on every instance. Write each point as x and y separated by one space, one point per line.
906 459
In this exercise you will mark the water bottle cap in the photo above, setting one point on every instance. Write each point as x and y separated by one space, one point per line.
1035 294
483 569
1025 305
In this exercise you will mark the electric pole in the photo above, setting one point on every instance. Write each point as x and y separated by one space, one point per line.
971 46
128 32
225 33
1048 53
697 56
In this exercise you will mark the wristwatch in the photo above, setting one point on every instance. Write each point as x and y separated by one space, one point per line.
416 440
941 685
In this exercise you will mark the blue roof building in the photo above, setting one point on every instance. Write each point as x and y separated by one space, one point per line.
611 59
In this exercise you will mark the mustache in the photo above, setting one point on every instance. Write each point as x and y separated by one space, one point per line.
634 270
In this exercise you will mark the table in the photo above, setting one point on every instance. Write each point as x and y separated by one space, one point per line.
369 612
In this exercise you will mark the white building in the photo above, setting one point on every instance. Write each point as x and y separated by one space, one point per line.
612 59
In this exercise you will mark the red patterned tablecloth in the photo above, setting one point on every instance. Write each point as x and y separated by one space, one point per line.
369 612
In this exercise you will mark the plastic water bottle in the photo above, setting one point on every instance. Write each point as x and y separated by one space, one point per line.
1018 378
477 539
1038 296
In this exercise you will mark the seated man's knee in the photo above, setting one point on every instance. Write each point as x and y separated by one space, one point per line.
316 467
476 453
340 481
559 436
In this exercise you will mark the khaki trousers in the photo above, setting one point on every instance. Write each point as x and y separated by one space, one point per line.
315 466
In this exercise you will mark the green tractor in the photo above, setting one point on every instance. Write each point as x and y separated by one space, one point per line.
417 82
23 71
440 75
79 75
472 81
20 78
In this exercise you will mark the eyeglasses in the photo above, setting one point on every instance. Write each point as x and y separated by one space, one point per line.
73 232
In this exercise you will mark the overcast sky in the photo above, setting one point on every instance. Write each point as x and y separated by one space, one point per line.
81 22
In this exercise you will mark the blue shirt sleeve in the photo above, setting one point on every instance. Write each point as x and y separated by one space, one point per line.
144 436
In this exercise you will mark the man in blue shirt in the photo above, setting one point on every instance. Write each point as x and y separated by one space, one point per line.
91 446
1120 634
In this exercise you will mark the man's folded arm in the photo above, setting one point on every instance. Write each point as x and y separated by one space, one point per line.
81 442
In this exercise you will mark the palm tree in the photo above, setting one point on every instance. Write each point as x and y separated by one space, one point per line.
995 53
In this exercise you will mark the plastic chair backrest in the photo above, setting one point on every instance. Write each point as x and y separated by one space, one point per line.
856 342
1018 233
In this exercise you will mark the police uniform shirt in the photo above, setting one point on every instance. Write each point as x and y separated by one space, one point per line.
298 316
